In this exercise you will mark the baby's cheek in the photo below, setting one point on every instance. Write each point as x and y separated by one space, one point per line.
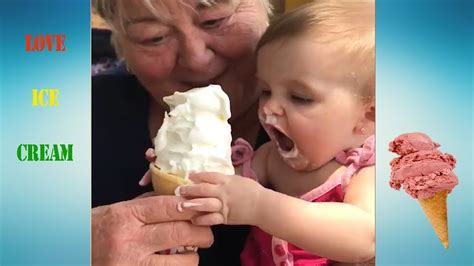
310 145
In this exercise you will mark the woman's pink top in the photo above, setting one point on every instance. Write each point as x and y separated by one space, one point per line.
262 249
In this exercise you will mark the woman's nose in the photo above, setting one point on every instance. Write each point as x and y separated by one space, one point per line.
194 52
272 106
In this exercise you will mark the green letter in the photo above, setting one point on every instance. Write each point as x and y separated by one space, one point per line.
55 153
32 152
18 152
66 152
44 148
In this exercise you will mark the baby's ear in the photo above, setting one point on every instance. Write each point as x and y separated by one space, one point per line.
370 111
366 124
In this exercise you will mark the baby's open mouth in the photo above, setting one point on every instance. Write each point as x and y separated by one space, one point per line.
284 142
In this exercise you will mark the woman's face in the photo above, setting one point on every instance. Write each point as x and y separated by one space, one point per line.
192 45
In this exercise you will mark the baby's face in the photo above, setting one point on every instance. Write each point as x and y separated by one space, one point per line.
307 106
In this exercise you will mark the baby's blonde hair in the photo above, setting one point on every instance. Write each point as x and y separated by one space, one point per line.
113 12
346 25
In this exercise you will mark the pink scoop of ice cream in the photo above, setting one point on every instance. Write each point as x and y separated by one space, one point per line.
421 169
412 142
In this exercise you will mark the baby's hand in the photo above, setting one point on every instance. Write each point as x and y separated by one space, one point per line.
222 198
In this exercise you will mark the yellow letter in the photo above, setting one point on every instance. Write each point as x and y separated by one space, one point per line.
53 97
40 97
35 97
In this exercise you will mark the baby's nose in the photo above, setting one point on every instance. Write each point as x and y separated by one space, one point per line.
273 107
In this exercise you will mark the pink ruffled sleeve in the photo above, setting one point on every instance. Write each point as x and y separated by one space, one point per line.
357 158
242 154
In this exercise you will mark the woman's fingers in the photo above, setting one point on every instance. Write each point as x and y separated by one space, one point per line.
208 177
131 231
146 179
190 258
164 236
202 190
208 219
146 195
150 155
201 204
156 209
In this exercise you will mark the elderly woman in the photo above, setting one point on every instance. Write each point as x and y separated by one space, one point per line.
167 46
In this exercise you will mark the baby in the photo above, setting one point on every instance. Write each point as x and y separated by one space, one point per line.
314 199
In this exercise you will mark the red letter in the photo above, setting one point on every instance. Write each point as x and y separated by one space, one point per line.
28 42
60 42
38 47
49 41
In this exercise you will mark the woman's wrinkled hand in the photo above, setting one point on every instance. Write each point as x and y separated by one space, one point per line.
221 199
133 232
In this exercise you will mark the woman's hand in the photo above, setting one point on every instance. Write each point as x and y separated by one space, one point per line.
222 199
132 232
150 157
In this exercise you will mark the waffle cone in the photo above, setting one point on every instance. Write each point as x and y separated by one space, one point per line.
436 211
165 183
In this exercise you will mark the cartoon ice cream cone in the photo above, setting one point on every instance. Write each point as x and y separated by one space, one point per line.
426 174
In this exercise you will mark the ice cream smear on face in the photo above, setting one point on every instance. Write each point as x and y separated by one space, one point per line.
195 135
426 174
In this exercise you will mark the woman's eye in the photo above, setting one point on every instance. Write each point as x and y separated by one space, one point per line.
213 23
154 40
300 99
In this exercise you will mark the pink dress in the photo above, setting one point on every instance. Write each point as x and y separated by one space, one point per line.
262 249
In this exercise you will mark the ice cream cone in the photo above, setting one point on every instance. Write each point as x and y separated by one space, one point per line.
436 211
165 183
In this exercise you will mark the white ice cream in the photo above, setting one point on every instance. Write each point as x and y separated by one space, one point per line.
195 135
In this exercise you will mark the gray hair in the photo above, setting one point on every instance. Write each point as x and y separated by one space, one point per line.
113 13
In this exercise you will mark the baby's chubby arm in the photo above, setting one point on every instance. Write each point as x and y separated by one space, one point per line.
226 199
339 231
